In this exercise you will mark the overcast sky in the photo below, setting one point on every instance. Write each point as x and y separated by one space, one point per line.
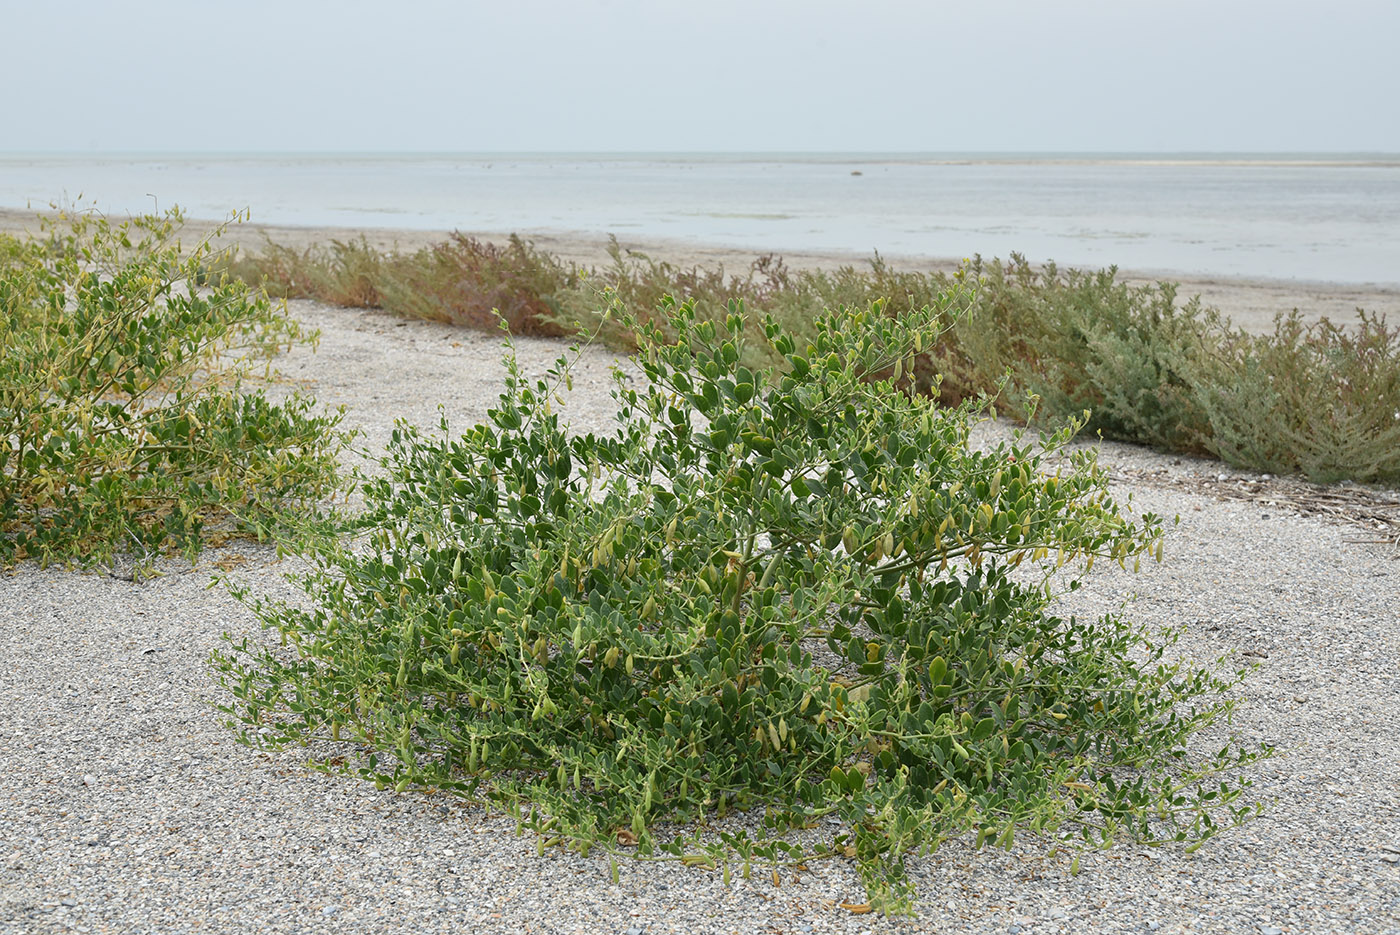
717 75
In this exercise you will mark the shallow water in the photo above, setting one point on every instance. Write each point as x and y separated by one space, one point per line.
1277 216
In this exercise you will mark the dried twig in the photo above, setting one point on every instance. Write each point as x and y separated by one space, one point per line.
1374 509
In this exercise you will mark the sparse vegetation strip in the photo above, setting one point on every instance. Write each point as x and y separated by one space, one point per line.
1316 400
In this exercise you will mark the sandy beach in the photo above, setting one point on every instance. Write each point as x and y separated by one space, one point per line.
128 807
1249 303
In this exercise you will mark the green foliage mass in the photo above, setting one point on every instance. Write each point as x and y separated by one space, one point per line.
124 422
796 593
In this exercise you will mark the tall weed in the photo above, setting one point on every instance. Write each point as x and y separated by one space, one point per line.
343 273
471 282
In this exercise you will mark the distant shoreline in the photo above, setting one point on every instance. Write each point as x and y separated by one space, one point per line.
1249 302
1370 159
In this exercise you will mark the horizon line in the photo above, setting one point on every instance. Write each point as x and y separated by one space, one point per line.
700 152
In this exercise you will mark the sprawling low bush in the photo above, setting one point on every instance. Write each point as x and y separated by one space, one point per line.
797 593
126 424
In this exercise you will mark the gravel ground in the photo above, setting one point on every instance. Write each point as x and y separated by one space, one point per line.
127 807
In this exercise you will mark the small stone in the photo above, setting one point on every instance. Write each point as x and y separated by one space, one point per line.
70 902
1270 930
1391 858
89 779
1153 926
1300 698
1015 930
330 910
1391 848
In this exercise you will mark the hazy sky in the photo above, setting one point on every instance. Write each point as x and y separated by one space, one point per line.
728 75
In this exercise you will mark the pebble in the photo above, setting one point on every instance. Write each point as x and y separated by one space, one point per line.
1270 930
330 910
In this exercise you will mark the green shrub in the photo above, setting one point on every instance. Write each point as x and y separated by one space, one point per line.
799 594
125 426
1081 341
1318 399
